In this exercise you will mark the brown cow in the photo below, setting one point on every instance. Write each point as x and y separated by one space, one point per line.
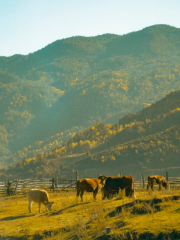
89 185
113 184
158 180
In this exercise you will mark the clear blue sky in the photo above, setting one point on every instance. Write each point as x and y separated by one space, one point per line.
29 25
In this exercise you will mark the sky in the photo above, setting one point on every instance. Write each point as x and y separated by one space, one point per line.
29 25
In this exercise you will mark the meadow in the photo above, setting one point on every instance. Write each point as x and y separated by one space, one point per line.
151 215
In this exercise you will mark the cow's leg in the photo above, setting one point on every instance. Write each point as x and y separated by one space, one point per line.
95 193
29 206
127 192
39 207
78 192
118 191
131 192
81 195
109 195
160 186
104 193
46 207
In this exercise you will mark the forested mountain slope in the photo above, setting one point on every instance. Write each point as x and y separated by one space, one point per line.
147 142
153 154
73 83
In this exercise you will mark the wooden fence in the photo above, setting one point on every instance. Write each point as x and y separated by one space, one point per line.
2 187
22 185
55 184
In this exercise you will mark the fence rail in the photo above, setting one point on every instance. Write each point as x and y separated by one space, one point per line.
21 185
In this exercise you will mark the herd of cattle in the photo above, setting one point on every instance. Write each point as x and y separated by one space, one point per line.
108 185
111 185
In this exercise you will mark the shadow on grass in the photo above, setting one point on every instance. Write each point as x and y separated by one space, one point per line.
69 207
15 217
143 236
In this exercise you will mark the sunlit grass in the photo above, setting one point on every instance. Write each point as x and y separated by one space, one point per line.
72 219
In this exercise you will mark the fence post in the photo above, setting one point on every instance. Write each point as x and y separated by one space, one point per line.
167 179
56 182
53 183
173 182
143 182
77 177
16 185
107 230
8 187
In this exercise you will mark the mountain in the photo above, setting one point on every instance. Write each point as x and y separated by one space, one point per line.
49 95
147 142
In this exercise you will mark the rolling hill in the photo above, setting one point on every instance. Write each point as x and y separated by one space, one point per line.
147 141
49 95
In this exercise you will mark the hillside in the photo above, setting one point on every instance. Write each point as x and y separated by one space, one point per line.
154 154
144 142
71 84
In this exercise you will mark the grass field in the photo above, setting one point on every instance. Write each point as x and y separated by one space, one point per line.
152 215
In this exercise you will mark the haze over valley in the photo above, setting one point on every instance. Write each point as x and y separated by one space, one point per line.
85 103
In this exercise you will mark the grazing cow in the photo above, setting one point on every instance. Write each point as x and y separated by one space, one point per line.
89 185
39 196
158 180
113 184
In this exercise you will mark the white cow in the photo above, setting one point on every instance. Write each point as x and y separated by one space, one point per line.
39 196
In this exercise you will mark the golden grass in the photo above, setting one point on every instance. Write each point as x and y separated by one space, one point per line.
72 219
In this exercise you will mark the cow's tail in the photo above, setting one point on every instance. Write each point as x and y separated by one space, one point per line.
78 187
132 187
149 182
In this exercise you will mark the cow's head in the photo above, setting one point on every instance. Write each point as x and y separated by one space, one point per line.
165 184
48 205
103 179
